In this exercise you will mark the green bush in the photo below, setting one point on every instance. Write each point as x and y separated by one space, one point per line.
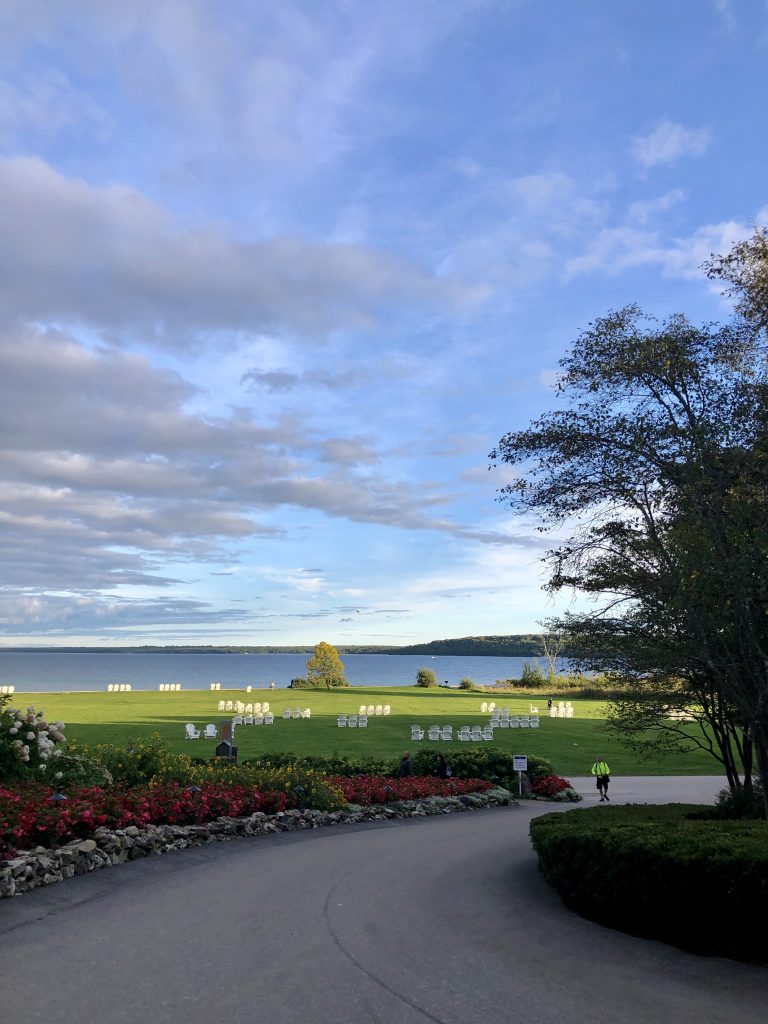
658 873
477 762
425 677
467 684
349 767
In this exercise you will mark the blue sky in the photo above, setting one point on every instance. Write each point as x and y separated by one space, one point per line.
275 278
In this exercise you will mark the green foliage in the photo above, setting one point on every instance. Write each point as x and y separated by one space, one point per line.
480 763
746 804
532 675
324 668
138 762
425 678
655 872
336 764
467 684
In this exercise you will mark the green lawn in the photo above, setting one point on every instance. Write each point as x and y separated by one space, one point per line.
570 743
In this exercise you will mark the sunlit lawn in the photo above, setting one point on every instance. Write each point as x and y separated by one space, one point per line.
570 743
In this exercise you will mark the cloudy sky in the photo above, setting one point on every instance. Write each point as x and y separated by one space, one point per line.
276 277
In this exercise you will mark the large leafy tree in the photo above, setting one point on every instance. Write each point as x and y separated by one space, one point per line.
325 668
656 469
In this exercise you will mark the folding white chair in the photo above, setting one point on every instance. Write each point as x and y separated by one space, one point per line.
247 719
417 733
434 732
534 709
220 705
488 733
362 722
379 710
446 732
484 706
192 732
387 709
229 706
237 720
491 706
351 721
503 723
463 734
249 708
514 722
296 713
264 706
210 732
258 708
569 712
110 687
286 712
269 718
341 721
306 713
370 710
362 709
534 721
258 719
524 721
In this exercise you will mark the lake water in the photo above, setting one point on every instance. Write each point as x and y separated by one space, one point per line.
42 671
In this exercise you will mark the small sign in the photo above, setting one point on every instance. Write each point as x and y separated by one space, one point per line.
520 762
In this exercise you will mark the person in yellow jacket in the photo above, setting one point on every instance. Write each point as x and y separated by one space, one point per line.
602 774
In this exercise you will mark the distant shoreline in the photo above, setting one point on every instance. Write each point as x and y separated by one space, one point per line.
514 646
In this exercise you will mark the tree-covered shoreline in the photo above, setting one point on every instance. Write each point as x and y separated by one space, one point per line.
520 645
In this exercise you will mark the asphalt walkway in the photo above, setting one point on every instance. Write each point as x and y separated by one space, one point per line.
439 919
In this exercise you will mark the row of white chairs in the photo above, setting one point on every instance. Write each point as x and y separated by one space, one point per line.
7 690
515 722
118 687
260 719
215 686
352 721
193 733
297 712
435 732
370 710
561 710
167 687
487 706
243 709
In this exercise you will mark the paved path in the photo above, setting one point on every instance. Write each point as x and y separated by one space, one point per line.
440 919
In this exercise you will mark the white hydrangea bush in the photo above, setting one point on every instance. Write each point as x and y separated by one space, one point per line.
30 746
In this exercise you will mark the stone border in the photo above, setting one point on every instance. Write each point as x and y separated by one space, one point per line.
40 867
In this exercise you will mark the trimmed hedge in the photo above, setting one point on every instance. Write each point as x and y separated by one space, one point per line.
658 873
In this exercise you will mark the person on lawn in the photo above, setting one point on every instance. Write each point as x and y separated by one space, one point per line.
602 774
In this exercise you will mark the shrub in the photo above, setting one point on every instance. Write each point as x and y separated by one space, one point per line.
655 872
467 684
29 745
552 787
748 804
484 762
426 677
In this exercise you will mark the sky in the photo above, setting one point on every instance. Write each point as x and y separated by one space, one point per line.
276 277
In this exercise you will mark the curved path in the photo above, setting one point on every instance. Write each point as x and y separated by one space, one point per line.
440 919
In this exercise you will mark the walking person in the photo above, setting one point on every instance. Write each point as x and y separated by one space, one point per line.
602 774
406 768
443 771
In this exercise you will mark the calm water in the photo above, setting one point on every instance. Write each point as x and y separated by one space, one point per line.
40 671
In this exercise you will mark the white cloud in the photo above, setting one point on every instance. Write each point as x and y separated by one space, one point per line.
668 142
109 258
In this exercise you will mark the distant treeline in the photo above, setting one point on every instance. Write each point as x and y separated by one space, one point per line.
519 645
522 645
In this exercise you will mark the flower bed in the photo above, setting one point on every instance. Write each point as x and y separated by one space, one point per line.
378 789
29 817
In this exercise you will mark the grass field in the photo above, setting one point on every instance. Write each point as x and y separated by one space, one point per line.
570 743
